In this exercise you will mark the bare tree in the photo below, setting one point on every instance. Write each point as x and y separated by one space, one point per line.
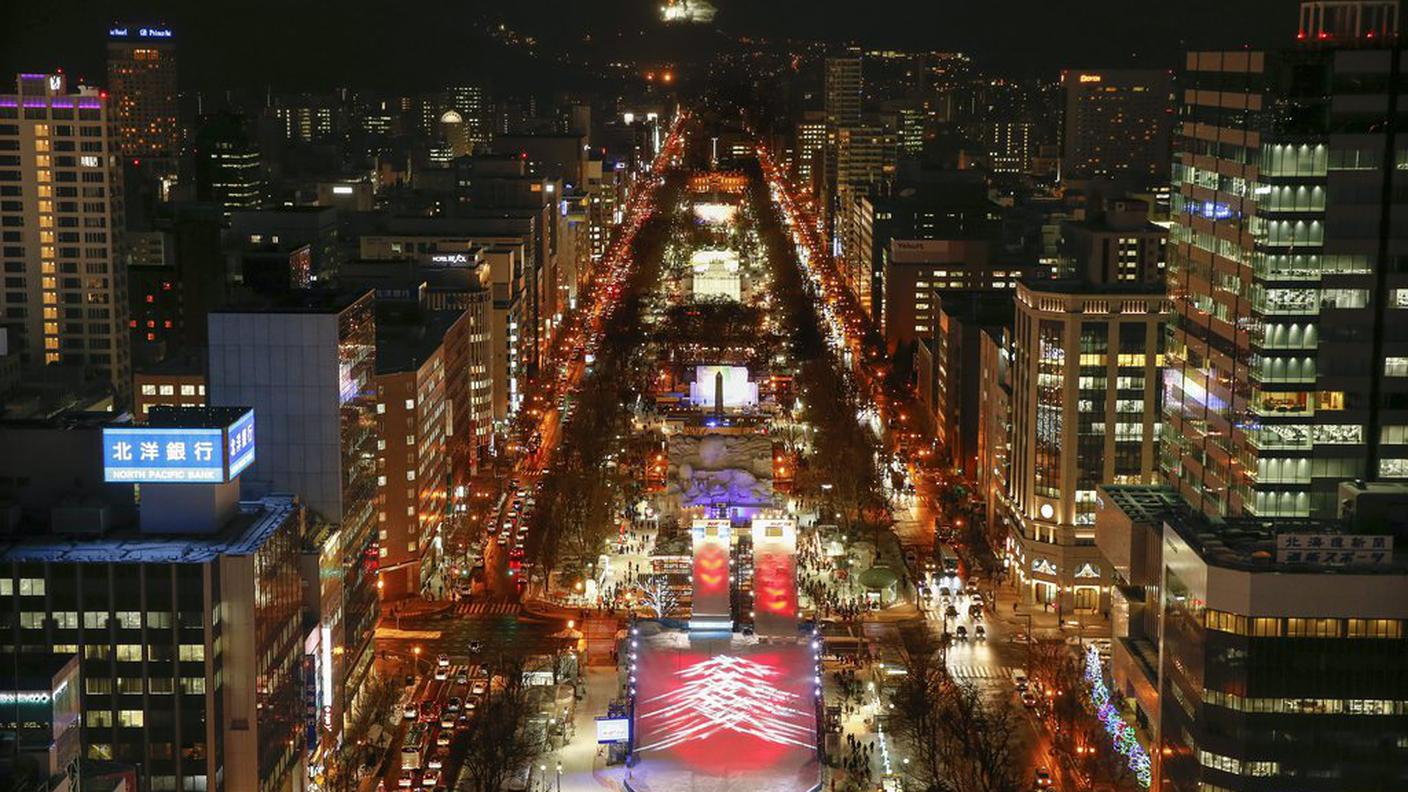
499 737
958 738
659 594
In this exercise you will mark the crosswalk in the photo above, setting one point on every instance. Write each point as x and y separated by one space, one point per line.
979 672
487 608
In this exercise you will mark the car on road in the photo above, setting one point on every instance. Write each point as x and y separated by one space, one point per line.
437 759
453 704
951 612
410 712
442 674
1043 778
447 720
1028 700
975 611
475 647
443 737
972 587
461 678
976 599
407 779
1020 680
429 710
961 633
979 634
430 778
478 687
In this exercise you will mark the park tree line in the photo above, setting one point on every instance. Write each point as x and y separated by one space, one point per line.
581 491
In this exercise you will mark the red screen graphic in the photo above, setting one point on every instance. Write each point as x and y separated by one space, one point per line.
775 589
710 569
729 713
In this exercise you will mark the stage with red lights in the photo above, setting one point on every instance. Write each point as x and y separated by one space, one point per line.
725 714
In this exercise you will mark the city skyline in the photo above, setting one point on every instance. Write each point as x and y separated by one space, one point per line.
751 397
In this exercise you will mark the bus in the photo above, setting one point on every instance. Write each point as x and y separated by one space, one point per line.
948 566
413 748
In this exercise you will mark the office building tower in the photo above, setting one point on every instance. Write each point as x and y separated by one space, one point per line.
1115 243
865 164
1257 616
65 296
950 386
992 470
306 362
184 614
1085 412
1256 654
285 230
843 90
310 118
1288 370
228 171
142 90
808 148
415 434
176 273
1010 145
176 381
472 103
1117 126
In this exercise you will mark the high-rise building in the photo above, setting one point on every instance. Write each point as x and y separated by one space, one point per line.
843 90
306 362
810 141
227 166
865 162
1259 654
1085 412
415 435
1115 243
963 320
1117 126
185 614
1258 618
65 296
473 105
142 84
1288 370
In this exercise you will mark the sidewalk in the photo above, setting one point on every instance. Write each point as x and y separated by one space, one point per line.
584 767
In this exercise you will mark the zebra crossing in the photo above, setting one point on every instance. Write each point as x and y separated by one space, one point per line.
958 671
487 608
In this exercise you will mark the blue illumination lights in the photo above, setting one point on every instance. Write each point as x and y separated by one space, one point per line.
178 454
1121 733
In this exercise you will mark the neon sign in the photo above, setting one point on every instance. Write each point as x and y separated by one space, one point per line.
178 455
141 32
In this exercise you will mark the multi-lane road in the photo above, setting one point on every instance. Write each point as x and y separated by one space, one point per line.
448 642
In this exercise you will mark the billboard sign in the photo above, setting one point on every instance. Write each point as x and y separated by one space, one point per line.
613 730
178 455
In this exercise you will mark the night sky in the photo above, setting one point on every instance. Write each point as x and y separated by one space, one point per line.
318 44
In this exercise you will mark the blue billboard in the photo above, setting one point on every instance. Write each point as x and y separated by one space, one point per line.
178 455
240 444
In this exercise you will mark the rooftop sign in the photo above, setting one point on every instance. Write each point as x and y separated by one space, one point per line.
178 455
149 33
